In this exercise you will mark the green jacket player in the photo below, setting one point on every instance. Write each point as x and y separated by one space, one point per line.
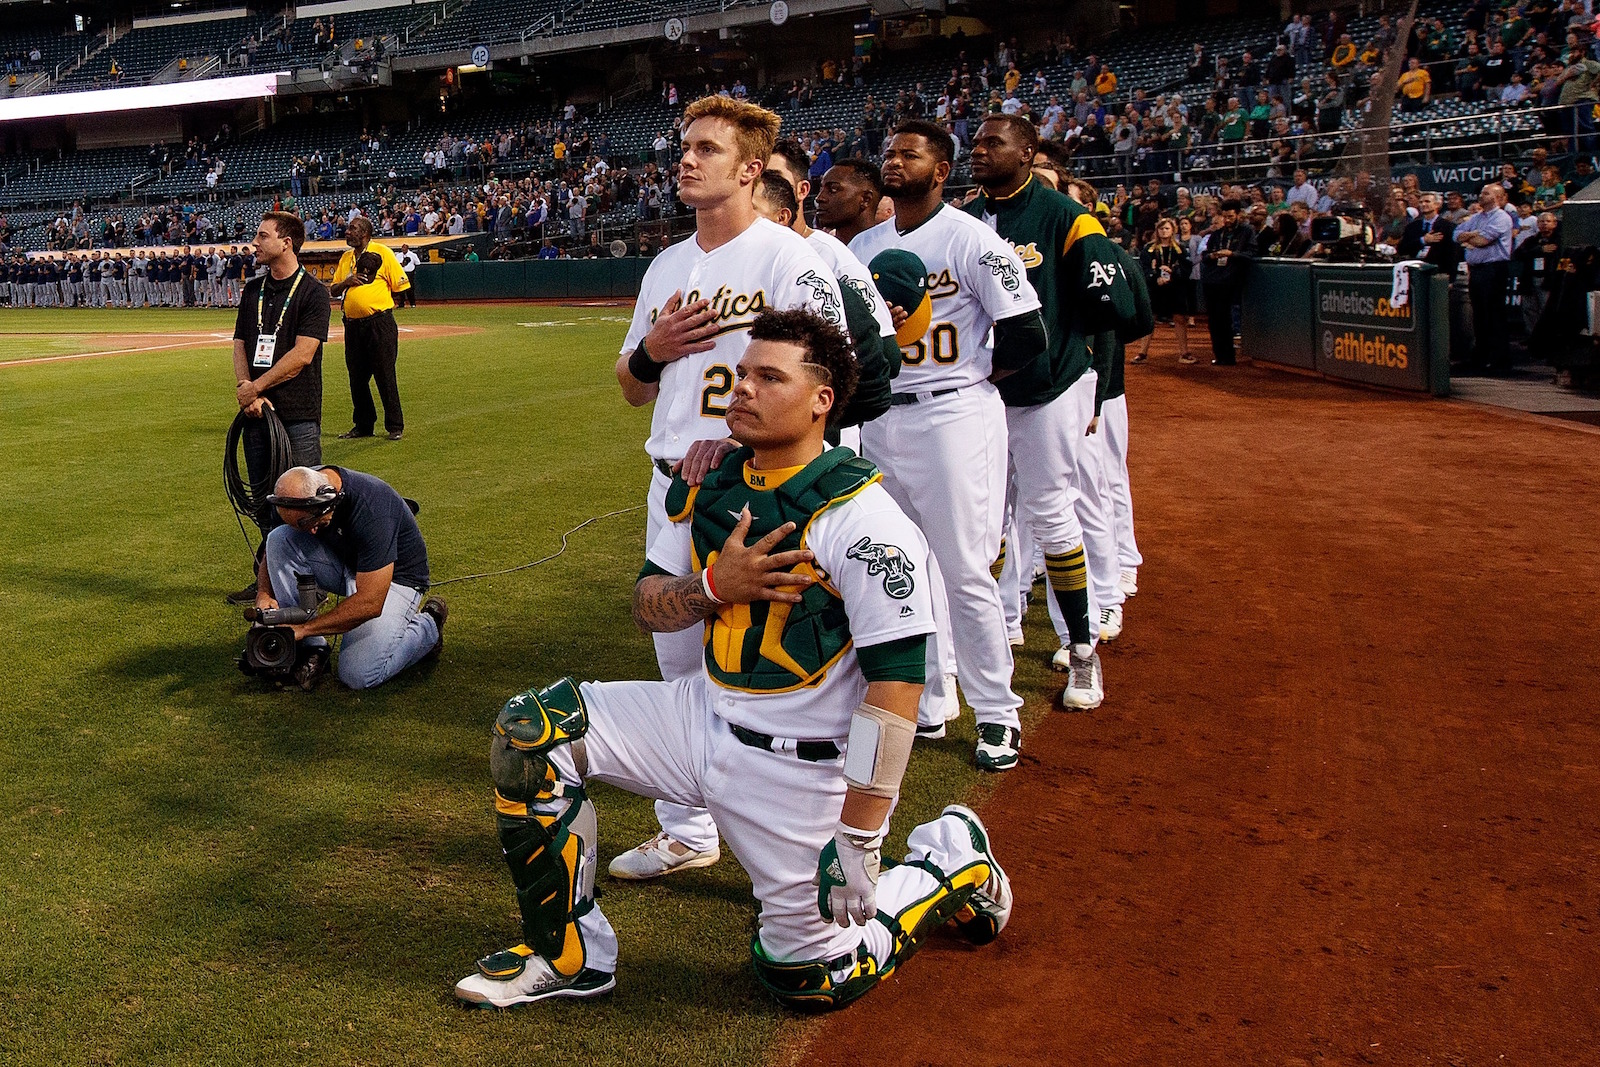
813 587
1051 405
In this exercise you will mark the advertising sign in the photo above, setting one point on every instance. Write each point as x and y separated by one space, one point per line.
1363 336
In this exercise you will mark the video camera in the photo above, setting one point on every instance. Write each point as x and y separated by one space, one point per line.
1345 234
269 646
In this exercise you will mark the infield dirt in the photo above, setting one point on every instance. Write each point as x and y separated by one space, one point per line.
1339 804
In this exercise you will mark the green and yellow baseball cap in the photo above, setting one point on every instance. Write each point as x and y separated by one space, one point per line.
902 280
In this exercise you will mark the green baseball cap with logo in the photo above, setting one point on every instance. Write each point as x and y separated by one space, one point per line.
902 280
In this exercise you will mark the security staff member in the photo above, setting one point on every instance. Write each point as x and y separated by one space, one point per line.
359 539
371 338
277 354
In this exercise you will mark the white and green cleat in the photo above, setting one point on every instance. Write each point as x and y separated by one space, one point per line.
989 908
521 976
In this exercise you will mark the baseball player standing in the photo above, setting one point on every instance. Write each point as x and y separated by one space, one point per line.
795 731
1049 406
690 326
942 445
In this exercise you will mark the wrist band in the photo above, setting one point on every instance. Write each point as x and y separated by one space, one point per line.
642 367
705 583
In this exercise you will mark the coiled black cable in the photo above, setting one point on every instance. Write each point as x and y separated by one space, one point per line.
248 496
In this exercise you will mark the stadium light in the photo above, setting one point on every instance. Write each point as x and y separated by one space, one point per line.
141 97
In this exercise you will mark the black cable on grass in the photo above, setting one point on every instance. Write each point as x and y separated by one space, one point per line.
543 559
249 497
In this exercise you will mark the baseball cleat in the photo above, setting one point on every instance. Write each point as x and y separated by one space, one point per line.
930 733
1111 623
521 976
1015 640
1085 684
657 857
998 746
989 908
1128 581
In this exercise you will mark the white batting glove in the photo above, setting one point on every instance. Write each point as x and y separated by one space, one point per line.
847 876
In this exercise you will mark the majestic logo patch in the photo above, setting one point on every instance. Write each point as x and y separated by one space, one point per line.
823 294
1001 268
889 561
1100 274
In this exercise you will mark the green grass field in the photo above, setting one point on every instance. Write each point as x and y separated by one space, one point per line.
196 871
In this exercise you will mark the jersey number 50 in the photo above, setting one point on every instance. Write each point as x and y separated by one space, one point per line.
945 348
713 399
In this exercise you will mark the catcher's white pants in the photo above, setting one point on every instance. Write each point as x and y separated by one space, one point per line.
679 655
944 462
665 740
1114 424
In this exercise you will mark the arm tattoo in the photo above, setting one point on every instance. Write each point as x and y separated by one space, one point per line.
663 605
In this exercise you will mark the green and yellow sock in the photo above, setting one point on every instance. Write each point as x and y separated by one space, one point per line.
1069 580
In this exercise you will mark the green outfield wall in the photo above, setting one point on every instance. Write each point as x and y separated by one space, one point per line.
530 279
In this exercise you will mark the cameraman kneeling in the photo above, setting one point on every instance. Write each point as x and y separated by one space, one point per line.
358 538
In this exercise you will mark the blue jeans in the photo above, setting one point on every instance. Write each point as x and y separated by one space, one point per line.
305 446
379 648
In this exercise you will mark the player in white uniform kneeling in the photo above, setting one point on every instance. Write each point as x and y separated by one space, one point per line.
795 733
943 443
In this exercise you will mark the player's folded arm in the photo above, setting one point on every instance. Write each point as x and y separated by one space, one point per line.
1019 340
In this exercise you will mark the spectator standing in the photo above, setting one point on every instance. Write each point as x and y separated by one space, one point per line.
1486 237
1227 253
409 261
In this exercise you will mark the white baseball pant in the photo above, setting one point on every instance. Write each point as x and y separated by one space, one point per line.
1114 424
679 655
944 462
1043 495
665 740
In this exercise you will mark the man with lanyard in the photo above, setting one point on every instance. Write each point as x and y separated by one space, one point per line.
1486 237
1228 248
277 355
357 536
1051 405
371 338
690 326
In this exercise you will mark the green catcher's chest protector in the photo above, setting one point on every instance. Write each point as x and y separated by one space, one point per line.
768 647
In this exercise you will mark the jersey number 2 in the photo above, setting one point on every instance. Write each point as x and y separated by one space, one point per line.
945 348
719 383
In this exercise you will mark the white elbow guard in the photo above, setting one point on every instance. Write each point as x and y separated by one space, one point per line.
878 750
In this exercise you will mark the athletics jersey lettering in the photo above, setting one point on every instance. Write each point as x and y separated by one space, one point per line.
975 277
764 267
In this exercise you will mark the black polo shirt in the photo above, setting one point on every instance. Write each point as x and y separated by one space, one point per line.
300 398
372 527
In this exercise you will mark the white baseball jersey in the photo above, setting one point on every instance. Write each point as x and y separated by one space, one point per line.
975 278
766 266
848 270
877 560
